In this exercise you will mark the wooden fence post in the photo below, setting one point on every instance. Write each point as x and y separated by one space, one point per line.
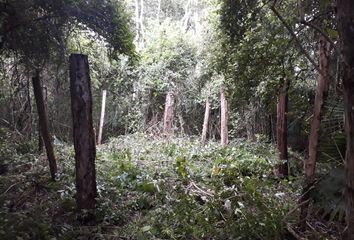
83 133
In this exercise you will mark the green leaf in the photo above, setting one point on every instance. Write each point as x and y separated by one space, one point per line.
147 187
333 34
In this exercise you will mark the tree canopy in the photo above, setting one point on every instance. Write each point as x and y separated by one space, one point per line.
38 29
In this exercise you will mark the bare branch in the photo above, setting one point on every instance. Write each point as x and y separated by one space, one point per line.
297 41
319 30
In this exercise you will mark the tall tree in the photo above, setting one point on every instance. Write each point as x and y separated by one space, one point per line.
158 11
139 21
345 16
282 129
167 63
320 98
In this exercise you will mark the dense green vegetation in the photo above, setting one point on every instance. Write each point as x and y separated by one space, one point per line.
224 119
151 189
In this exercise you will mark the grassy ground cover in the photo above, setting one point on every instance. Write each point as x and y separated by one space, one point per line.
150 189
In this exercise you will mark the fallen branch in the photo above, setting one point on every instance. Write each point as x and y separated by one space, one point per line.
295 208
9 188
201 190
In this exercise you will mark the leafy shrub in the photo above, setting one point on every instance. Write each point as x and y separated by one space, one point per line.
152 189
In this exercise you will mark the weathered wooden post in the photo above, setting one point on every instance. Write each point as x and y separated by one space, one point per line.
83 133
224 118
43 124
206 120
168 115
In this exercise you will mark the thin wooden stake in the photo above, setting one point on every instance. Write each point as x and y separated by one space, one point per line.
224 118
43 124
103 109
206 121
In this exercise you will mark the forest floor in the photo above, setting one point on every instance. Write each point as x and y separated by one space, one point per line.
154 189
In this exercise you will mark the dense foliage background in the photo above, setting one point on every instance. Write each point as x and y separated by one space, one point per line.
152 187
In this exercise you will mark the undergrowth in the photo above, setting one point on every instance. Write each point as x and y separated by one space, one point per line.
149 189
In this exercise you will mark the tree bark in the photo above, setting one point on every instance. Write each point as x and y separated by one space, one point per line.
187 13
321 95
158 11
270 129
29 101
45 101
141 20
224 118
345 16
103 108
137 21
181 123
168 115
83 133
206 121
282 130
43 124
40 139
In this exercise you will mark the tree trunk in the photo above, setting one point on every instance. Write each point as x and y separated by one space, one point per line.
282 130
100 132
146 109
206 121
84 138
321 95
29 101
270 129
141 20
137 21
168 116
45 101
43 124
224 118
345 11
40 139
158 11
187 13
181 123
